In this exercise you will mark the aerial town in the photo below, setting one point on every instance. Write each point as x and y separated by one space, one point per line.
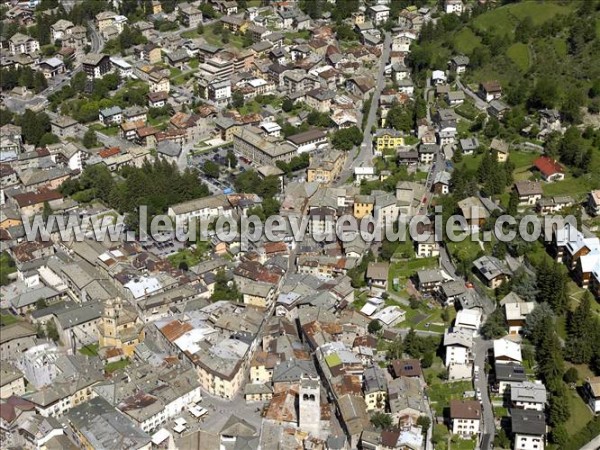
118 114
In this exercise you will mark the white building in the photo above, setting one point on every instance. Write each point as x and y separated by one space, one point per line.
122 67
458 345
379 14
506 352
454 7
468 319
529 395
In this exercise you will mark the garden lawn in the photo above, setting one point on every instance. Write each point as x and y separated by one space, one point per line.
462 444
519 53
523 162
117 365
191 258
405 269
441 394
580 413
7 319
575 187
89 350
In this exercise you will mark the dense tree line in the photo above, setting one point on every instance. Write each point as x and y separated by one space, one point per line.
24 77
494 176
347 138
250 181
297 163
552 279
157 185
541 331
583 334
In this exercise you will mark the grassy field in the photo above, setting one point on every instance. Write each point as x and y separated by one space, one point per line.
441 394
575 187
519 53
465 41
214 39
580 414
505 18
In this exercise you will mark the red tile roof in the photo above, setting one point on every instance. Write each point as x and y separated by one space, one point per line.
107 152
547 165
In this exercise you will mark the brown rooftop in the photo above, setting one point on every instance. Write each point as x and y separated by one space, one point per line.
465 409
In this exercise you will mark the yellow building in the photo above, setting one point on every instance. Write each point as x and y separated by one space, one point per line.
358 17
386 139
105 19
363 206
156 7
326 168
120 327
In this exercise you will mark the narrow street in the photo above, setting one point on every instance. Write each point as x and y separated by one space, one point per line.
480 351
365 152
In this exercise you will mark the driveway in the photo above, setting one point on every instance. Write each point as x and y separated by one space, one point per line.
479 103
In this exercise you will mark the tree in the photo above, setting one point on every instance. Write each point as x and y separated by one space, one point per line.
40 304
427 360
48 139
183 265
414 302
47 211
544 95
34 126
495 326
395 349
381 420
560 436
237 99
559 411
571 375
231 159
582 327
374 326
287 105
536 320
492 128
211 169
51 331
89 138
39 82
401 117
346 138
224 289
344 32
424 422
502 439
